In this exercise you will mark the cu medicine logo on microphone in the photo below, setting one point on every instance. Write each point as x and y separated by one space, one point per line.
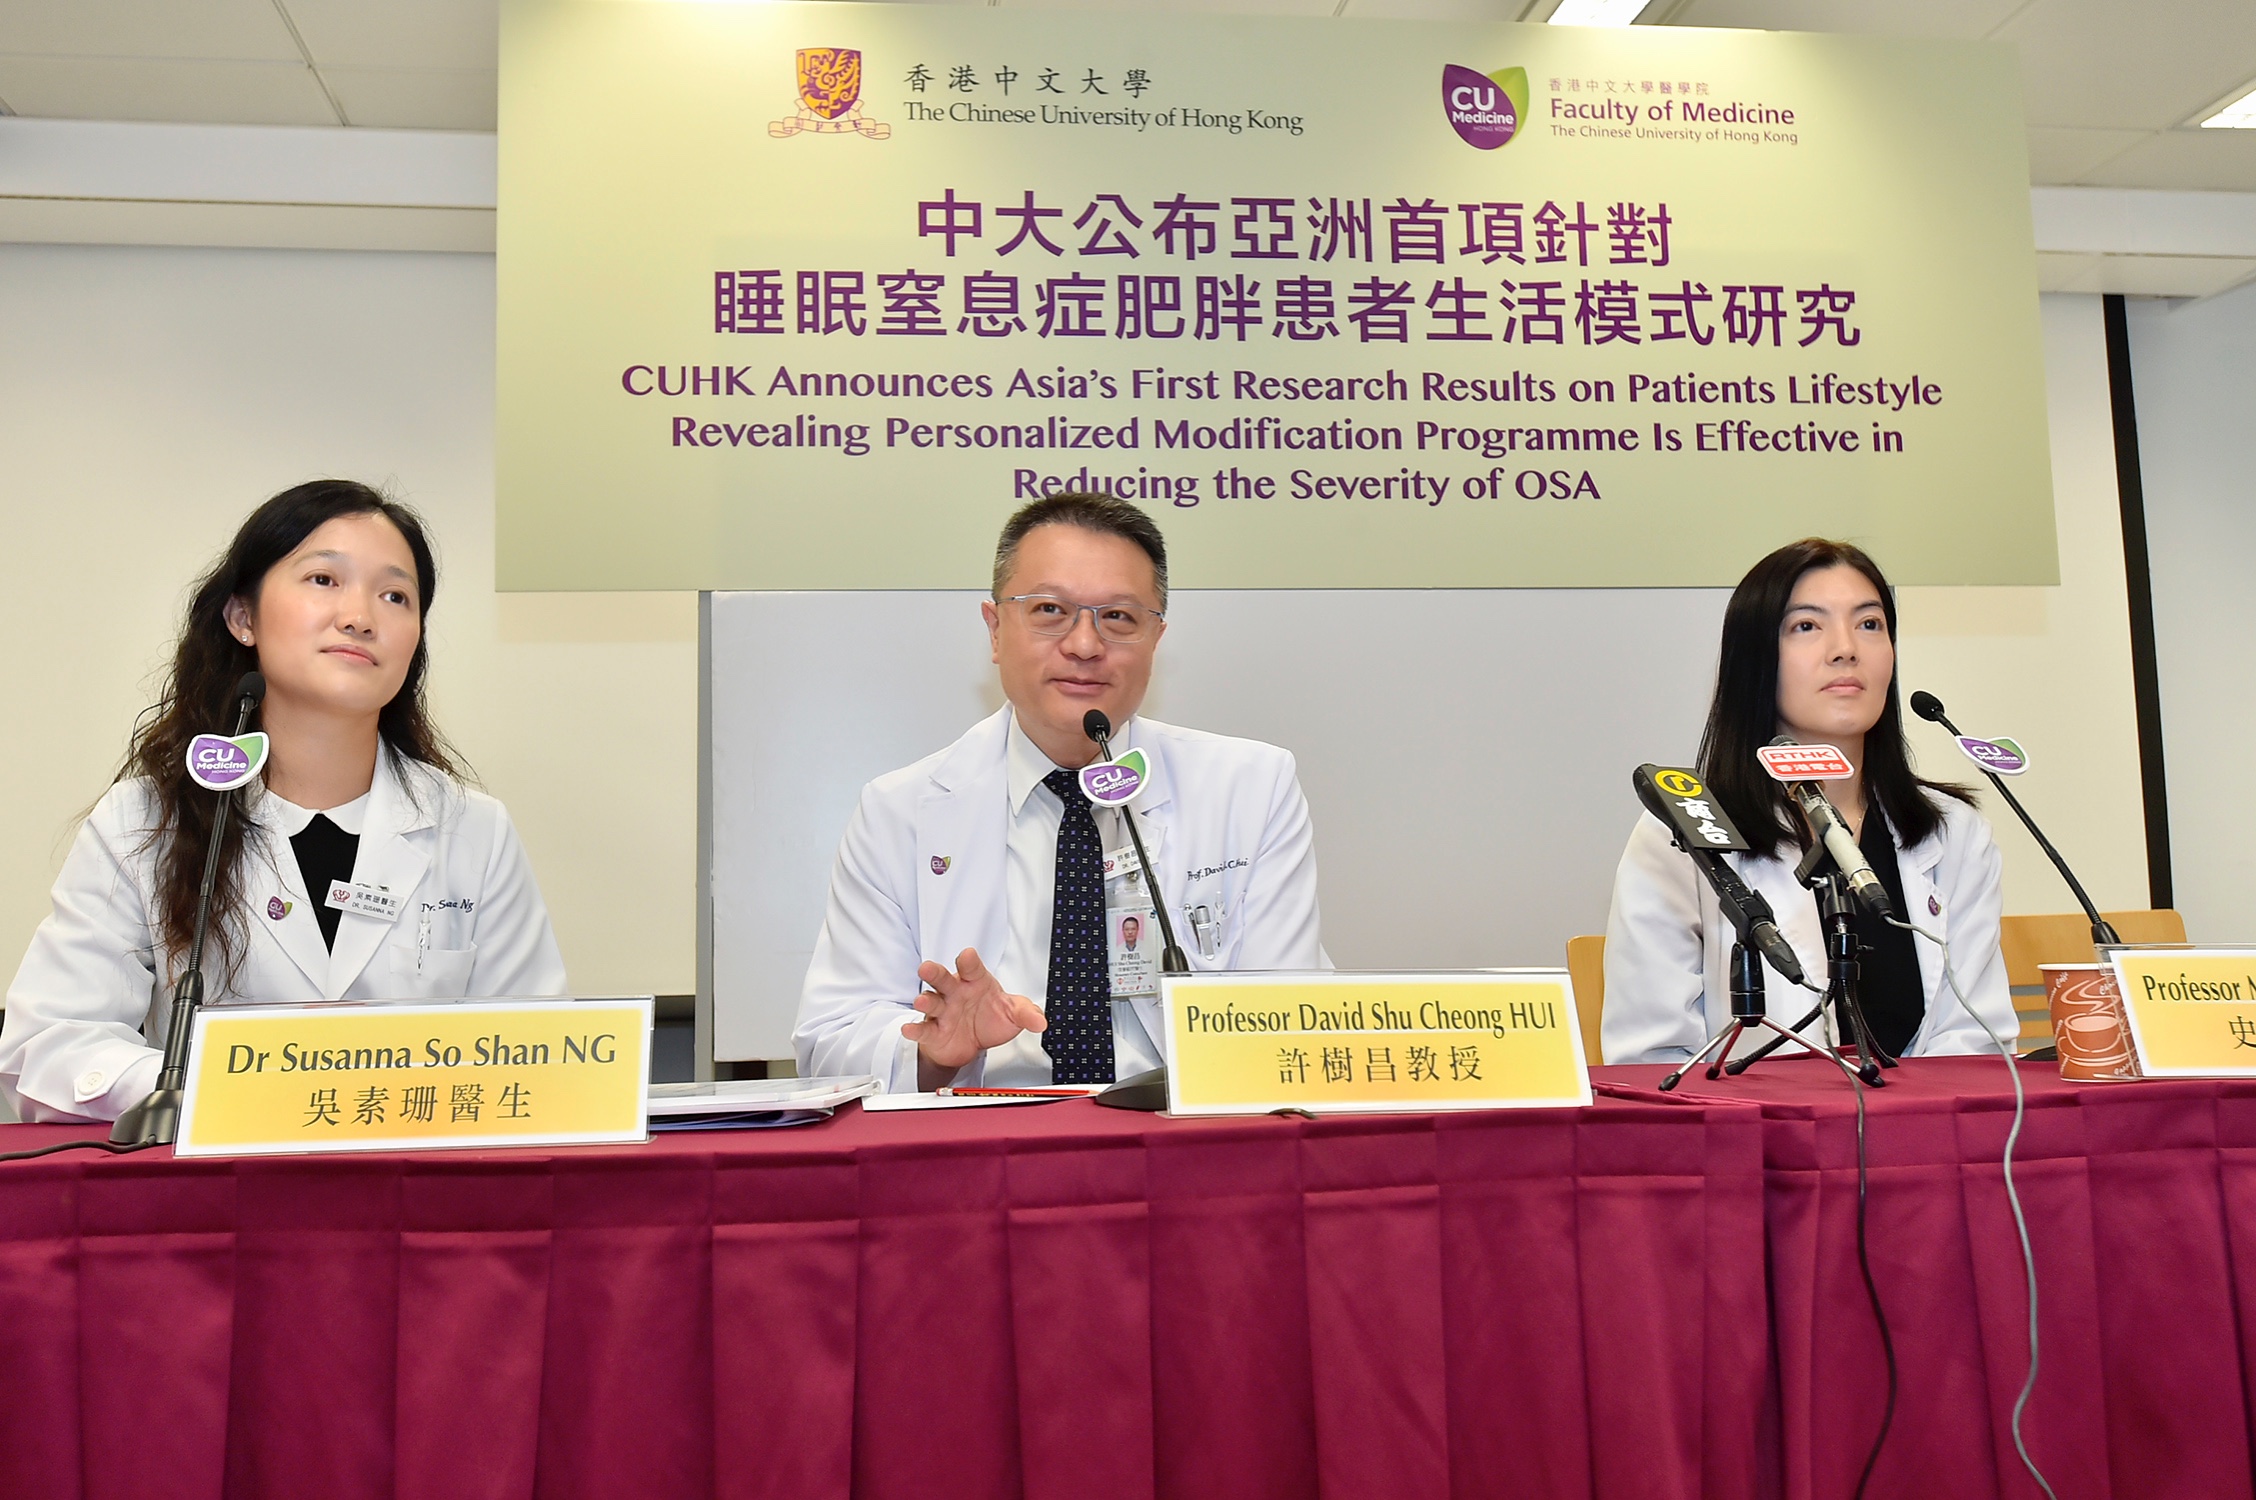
218 763
1485 109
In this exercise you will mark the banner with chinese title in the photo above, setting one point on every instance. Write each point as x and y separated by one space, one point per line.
811 296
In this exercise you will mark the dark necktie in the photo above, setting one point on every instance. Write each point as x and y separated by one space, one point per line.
1079 1006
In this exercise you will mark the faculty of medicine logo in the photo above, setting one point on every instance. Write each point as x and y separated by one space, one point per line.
1486 108
830 96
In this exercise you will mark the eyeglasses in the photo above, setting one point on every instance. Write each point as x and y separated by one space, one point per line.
1047 614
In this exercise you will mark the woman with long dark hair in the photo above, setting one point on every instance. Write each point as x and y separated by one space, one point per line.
361 866
1809 650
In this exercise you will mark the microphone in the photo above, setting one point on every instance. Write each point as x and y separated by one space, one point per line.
1825 819
1678 798
1930 708
155 1121
1097 727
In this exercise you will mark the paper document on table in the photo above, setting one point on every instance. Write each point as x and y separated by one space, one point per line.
747 1096
885 1102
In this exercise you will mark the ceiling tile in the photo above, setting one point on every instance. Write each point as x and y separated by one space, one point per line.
2058 155
399 33
243 29
415 98
235 93
1943 18
2216 160
2144 66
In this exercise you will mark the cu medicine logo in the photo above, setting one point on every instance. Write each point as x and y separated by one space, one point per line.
830 97
1485 109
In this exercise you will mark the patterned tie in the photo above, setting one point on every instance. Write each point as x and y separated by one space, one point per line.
1079 1040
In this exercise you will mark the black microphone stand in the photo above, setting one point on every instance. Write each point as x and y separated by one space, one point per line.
155 1121
1929 707
1749 1011
1148 1090
1837 906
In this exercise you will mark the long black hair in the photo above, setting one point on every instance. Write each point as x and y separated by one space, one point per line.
1743 716
198 697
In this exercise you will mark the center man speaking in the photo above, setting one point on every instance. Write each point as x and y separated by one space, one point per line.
977 910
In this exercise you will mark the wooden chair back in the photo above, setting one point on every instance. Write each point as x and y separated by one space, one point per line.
1586 967
2065 938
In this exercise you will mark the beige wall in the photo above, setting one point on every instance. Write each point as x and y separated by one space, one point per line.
2050 666
150 397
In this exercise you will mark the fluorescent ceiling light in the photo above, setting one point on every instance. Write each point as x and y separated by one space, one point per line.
1597 12
2238 115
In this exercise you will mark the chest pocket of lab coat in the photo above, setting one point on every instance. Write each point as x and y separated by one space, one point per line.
428 973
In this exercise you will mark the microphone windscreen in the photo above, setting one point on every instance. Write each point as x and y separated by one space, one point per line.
253 687
1095 725
1927 706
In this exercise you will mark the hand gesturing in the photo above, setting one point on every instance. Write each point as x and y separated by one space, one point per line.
966 1011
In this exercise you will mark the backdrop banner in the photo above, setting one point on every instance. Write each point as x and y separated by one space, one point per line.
811 296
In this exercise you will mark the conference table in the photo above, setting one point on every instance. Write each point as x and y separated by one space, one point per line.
1655 1296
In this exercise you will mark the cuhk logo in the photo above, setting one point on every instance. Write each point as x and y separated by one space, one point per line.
1115 783
1485 109
830 97
2004 756
222 764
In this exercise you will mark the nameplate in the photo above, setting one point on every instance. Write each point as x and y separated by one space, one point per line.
1365 1043
272 1080
2192 1010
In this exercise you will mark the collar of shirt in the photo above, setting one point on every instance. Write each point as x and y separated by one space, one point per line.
1028 765
288 819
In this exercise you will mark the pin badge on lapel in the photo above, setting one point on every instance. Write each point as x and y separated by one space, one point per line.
1934 907
941 862
277 908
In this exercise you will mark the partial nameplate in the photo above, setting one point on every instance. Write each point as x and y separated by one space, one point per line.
1249 1043
273 1080
2192 1010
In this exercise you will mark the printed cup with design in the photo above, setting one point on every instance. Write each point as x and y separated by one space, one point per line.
2089 1028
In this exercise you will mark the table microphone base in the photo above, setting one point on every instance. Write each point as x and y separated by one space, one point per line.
1146 1091
155 1121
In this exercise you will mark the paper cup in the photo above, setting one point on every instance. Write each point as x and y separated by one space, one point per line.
2088 1026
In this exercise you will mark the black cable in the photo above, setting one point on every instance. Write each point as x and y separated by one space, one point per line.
110 1146
1872 1290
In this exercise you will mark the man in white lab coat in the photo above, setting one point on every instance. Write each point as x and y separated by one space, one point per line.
975 932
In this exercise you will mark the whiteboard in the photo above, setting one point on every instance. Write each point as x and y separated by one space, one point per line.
1466 753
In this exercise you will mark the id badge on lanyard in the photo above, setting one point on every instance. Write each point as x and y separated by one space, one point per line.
1131 934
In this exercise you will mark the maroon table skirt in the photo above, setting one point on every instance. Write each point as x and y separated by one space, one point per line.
1069 1301
2141 1203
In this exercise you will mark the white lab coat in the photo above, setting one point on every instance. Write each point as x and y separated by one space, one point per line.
472 923
921 874
1668 946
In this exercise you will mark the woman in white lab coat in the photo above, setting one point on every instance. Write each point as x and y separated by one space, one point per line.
1809 651
362 868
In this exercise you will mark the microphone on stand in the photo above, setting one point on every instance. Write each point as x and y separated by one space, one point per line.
155 1121
1702 831
1171 958
1148 1090
1930 708
1825 820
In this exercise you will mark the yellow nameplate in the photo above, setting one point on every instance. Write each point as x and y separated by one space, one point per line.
1250 1043
2192 1010
278 1079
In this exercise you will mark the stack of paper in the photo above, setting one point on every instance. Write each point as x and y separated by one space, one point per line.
751 1103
